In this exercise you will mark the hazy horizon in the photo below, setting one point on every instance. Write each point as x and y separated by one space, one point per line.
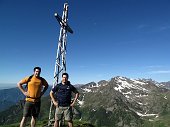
12 85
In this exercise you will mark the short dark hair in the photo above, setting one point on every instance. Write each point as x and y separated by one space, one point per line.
39 68
65 74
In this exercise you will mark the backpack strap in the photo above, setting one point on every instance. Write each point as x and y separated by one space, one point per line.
58 87
29 79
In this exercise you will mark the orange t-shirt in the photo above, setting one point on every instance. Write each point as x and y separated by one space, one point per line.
34 88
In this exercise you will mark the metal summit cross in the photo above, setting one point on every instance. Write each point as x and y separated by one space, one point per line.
60 64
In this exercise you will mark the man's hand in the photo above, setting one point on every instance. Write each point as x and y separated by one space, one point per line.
26 94
55 103
53 99
44 89
72 104
75 99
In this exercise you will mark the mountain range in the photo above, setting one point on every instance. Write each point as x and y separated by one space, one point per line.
11 96
119 102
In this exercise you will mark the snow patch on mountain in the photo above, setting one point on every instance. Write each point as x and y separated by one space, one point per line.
80 102
87 90
165 97
123 83
138 82
140 114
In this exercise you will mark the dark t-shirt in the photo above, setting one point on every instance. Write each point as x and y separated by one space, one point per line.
64 93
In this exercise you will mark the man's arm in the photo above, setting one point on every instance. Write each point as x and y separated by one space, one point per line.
20 84
44 89
75 99
74 90
53 99
45 86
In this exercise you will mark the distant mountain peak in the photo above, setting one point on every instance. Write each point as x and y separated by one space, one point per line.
135 92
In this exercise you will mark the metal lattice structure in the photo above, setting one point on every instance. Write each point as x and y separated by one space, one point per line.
60 63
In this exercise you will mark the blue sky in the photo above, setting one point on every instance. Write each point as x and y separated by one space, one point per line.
111 38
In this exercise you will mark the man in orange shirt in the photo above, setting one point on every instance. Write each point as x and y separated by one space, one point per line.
36 87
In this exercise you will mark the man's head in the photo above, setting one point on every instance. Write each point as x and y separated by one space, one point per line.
37 71
65 78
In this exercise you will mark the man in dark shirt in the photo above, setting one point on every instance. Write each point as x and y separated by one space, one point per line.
63 103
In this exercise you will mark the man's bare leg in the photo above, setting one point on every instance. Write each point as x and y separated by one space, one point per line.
33 121
70 123
56 123
23 121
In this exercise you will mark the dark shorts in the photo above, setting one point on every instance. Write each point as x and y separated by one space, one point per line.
31 109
